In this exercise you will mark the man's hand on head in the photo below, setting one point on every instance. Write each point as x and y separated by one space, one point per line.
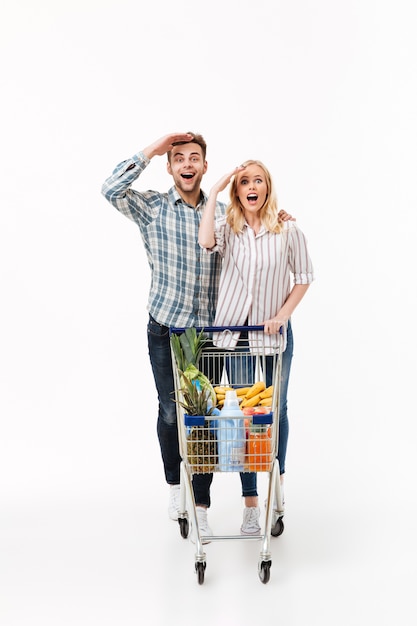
165 144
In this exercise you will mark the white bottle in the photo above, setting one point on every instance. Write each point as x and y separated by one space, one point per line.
231 435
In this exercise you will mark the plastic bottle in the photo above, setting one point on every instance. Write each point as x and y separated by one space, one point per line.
231 435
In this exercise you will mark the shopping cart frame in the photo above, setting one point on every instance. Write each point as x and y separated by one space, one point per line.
274 492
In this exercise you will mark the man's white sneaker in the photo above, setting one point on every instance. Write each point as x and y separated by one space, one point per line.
174 502
250 525
204 528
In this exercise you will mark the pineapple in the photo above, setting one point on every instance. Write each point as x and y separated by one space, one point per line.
194 399
201 441
187 348
197 394
202 449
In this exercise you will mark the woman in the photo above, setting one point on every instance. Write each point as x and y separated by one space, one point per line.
260 253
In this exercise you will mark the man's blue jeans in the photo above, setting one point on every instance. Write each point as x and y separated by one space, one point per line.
159 349
248 479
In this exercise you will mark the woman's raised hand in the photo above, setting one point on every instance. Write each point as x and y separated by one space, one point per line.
225 180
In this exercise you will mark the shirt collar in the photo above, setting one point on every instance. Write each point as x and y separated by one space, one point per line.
262 229
175 197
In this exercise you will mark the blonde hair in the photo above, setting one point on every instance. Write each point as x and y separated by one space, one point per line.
269 211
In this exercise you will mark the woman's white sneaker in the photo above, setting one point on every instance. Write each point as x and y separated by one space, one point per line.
250 525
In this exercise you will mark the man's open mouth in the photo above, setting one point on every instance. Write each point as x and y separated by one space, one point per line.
187 176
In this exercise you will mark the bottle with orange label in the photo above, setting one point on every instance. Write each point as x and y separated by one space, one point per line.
259 447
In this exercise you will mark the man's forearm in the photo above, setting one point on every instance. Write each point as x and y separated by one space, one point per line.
115 187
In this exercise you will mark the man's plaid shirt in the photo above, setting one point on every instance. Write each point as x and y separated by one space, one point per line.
184 278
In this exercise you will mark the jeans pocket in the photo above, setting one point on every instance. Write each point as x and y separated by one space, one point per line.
157 329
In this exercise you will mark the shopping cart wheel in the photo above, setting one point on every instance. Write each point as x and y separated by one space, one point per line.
264 571
278 528
184 527
200 568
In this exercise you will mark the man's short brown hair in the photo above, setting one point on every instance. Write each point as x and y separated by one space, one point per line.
198 139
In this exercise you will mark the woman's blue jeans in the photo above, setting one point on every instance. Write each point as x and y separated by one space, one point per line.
248 479
159 349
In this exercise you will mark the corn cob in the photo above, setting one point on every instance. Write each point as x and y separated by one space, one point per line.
252 401
222 389
265 401
255 390
267 393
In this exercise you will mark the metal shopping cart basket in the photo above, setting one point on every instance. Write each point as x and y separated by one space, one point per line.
237 358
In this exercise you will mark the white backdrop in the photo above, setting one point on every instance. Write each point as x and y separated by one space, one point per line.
325 94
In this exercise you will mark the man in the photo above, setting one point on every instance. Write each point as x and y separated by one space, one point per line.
184 279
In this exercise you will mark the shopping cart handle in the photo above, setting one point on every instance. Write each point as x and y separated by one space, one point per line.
218 329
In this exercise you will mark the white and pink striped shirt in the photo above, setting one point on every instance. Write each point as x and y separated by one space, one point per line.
256 274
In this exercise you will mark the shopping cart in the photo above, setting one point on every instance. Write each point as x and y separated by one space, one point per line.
235 357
